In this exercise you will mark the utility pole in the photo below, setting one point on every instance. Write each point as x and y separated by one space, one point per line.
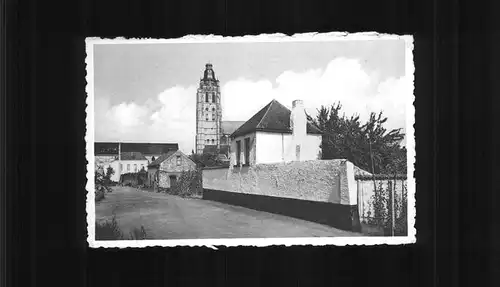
393 211
373 166
119 161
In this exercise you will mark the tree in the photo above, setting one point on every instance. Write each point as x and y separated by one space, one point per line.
109 172
369 146
206 159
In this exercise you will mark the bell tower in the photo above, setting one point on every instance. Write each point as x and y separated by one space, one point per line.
208 111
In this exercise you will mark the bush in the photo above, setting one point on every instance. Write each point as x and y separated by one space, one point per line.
382 210
100 187
138 234
188 184
99 195
109 230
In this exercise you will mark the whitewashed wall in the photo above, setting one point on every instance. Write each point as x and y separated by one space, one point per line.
278 147
319 180
138 164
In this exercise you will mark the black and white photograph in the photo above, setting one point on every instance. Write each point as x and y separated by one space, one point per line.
257 140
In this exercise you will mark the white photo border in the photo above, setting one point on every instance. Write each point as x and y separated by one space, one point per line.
258 242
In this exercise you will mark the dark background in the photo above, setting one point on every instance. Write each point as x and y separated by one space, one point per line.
43 147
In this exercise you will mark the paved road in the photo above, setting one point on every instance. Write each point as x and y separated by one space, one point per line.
170 217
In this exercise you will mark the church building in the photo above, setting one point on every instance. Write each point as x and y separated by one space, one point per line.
212 134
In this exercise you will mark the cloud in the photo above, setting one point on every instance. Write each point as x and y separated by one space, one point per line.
171 115
342 80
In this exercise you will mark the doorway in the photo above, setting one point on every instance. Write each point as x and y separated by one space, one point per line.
173 180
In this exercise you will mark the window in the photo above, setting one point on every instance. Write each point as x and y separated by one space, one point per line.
213 97
247 151
213 109
206 97
178 160
135 167
238 151
128 167
212 141
206 109
207 140
121 167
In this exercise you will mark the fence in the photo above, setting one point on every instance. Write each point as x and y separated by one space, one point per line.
382 202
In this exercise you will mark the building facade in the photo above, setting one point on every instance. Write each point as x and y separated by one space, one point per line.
208 111
165 171
128 157
276 134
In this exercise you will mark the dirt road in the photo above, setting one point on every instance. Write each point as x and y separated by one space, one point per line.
170 217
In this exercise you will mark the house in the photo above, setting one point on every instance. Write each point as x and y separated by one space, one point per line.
166 169
130 162
227 128
113 153
276 134
133 162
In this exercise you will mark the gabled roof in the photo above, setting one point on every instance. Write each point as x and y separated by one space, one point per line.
229 127
132 156
111 148
162 158
274 117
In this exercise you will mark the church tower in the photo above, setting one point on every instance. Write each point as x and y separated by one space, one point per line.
208 111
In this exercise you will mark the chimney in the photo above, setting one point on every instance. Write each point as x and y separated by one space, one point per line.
298 124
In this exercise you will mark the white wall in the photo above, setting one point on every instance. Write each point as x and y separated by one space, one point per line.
316 180
242 154
278 147
138 164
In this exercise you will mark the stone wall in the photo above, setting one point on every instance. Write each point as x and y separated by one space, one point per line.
317 180
163 179
170 165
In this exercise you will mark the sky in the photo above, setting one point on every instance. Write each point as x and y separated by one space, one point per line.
147 92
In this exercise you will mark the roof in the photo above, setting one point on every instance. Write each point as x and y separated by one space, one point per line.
229 127
162 158
132 156
111 148
274 117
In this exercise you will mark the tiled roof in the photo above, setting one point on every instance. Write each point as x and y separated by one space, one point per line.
111 148
162 158
132 156
228 127
274 117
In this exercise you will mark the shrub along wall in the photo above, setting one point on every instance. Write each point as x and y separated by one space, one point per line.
189 183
